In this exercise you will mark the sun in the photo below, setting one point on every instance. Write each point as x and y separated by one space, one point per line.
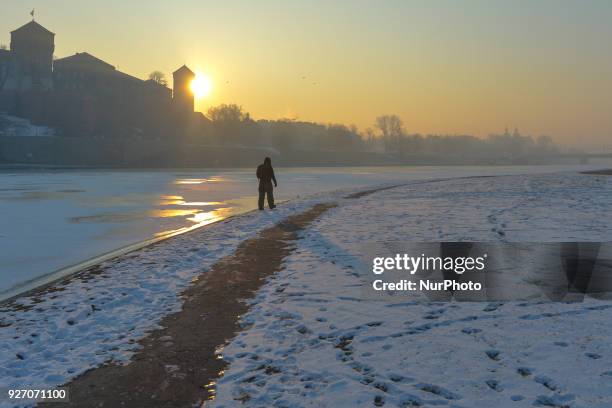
201 86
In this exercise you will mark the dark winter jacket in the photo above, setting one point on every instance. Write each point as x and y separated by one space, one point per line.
265 173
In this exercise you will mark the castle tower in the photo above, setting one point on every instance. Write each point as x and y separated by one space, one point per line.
33 46
182 93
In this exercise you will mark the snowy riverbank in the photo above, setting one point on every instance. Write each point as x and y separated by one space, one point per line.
311 339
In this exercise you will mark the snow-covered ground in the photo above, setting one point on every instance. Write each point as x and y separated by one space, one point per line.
313 339
51 220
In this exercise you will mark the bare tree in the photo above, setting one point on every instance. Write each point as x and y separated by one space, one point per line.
228 114
159 77
390 125
392 130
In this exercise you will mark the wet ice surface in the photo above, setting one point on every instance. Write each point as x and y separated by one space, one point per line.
312 339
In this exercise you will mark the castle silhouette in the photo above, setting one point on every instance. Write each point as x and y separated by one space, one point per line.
86 96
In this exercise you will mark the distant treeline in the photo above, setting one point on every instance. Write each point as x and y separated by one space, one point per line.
227 136
229 124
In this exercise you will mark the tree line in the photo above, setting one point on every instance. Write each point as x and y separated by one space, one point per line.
231 125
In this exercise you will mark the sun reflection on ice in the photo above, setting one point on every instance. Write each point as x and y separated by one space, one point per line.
213 179
167 213
201 203
210 216
199 218
180 201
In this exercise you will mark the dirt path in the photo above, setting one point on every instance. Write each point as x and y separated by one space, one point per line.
178 364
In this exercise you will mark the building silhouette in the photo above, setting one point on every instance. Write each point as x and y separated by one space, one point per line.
182 94
86 96
28 64
33 47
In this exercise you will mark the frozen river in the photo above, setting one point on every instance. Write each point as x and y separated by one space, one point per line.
54 219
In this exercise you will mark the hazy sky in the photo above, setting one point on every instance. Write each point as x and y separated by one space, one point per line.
475 67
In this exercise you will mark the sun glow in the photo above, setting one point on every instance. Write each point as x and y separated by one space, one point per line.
201 86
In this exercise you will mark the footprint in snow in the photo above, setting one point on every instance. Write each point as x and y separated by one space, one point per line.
546 382
493 354
411 401
494 385
491 307
524 371
470 330
558 401
437 390
381 386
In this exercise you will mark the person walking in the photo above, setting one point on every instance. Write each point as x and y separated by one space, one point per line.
265 174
